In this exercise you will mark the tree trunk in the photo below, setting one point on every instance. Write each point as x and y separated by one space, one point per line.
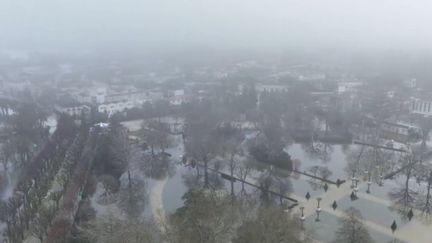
428 195
232 177
130 180
206 179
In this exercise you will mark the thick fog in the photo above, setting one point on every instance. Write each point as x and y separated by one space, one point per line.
230 23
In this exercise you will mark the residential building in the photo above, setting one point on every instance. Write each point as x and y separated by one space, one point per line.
115 107
73 109
422 107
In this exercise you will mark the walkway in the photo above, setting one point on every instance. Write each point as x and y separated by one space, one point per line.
412 232
156 202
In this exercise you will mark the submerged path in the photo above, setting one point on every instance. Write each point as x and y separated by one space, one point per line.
418 233
412 232
335 194
156 202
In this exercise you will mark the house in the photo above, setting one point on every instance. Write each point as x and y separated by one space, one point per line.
115 107
411 83
95 96
422 107
179 98
271 88
398 131
348 87
312 77
73 109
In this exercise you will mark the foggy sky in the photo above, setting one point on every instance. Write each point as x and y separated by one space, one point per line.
232 23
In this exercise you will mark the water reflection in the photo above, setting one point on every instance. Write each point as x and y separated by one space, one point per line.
317 150
158 167
369 170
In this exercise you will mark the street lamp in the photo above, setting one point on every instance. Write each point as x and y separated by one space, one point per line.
318 217
381 180
356 185
318 205
353 179
353 196
302 217
369 182
318 210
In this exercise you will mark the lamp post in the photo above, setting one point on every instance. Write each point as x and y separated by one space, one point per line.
302 217
353 178
381 177
381 180
353 196
318 210
356 185
318 205
369 182
318 217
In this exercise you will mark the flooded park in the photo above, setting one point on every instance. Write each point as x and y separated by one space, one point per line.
373 193
326 180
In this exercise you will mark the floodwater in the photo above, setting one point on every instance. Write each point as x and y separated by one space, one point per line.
10 183
376 211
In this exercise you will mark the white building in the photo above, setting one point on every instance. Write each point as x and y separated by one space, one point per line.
95 96
422 107
312 77
271 88
115 107
179 92
348 87
73 110
411 83
135 96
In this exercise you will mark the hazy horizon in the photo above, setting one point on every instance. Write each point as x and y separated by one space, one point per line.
178 24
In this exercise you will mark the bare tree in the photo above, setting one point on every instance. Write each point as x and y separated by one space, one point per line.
200 144
243 170
425 124
404 197
112 230
155 133
279 227
352 229
229 140
206 216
